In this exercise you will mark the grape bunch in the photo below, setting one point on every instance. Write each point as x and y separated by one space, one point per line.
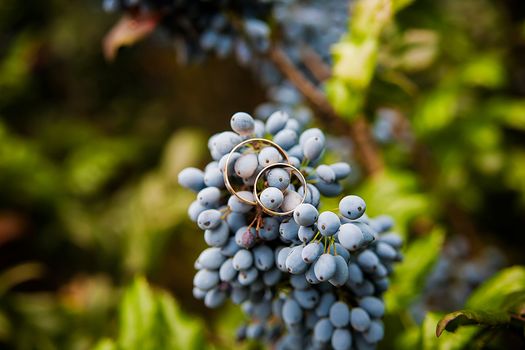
462 267
304 278
201 27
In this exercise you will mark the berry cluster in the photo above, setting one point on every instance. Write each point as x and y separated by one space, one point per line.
302 277
201 27
462 267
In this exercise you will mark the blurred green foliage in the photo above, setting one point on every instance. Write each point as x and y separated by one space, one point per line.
89 153
151 319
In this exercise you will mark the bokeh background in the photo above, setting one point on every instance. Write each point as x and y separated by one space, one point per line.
90 151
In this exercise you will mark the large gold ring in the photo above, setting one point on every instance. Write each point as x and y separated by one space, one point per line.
226 174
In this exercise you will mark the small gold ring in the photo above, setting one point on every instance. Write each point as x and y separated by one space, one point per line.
294 170
226 175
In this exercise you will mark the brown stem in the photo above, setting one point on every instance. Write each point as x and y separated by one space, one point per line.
309 90
366 149
315 64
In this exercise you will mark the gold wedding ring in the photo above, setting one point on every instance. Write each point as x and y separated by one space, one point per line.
293 170
226 174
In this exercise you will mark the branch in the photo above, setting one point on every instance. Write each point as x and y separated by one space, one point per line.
315 64
367 152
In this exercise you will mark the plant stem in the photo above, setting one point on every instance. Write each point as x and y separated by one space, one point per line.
367 152
315 64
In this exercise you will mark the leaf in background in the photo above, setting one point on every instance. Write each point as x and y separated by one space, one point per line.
128 31
411 274
414 50
492 304
91 166
355 62
510 112
17 155
485 71
456 319
449 341
106 344
5 326
138 220
186 333
514 303
396 194
153 210
20 273
491 294
151 320
16 66
136 316
436 111
355 55
514 173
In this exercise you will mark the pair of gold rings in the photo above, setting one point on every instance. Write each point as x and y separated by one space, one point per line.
286 164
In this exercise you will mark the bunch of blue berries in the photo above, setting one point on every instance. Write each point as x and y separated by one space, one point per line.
200 28
304 277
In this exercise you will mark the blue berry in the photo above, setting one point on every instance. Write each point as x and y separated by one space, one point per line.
359 319
325 173
209 219
242 123
352 207
341 339
246 165
324 267
305 214
350 237
192 178
209 197
339 314
341 170
242 260
328 223
272 198
323 330
276 122
278 178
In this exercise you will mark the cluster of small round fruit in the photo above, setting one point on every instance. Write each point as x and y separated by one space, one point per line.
304 277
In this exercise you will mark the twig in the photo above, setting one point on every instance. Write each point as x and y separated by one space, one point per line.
309 90
367 152
315 64
366 148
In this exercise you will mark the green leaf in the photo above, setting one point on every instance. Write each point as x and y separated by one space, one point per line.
106 344
186 333
486 71
456 319
397 194
151 320
491 294
436 111
508 111
493 304
448 341
355 62
346 101
514 303
137 313
411 274
355 56
409 338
